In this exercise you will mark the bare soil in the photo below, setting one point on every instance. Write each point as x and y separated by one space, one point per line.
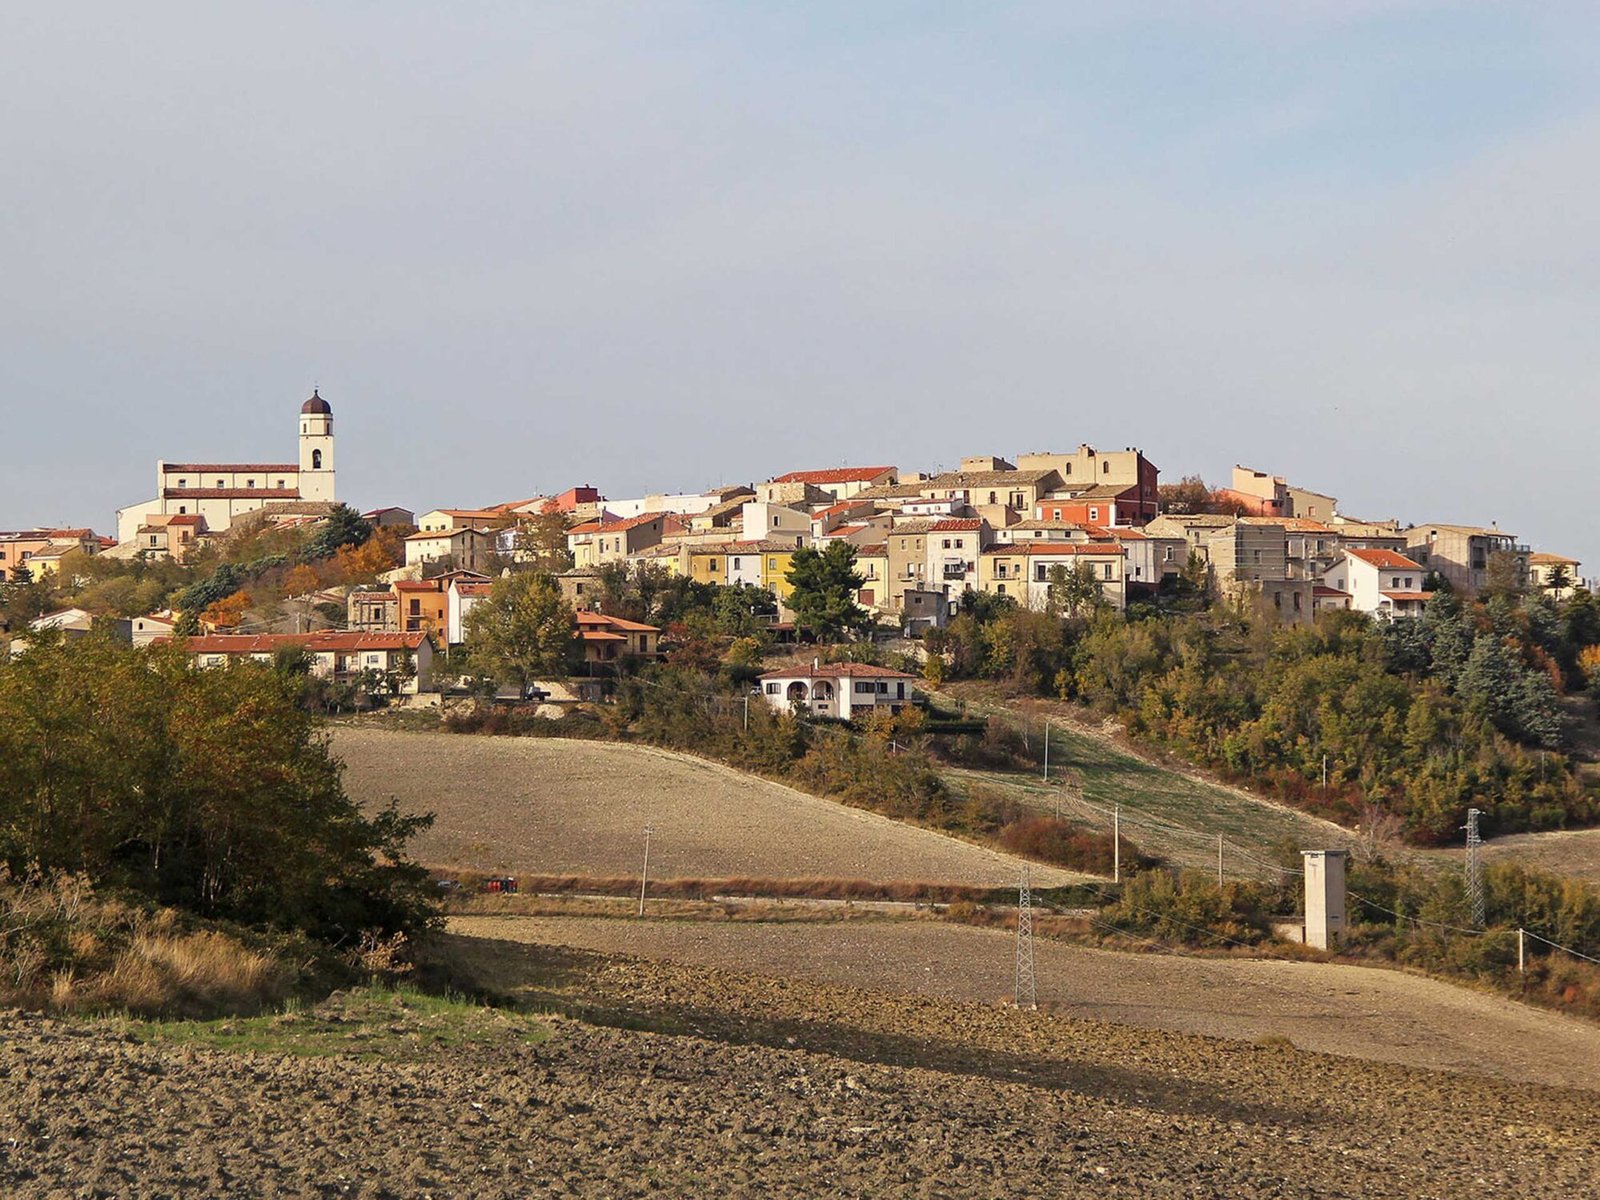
680 1081
1332 1008
562 807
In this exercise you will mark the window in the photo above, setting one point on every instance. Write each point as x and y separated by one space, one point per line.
959 543
220 483
1166 555
1067 469
249 483
1000 588
281 485
183 483
774 689
1105 571
182 508
736 564
947 543
712 565
772 564
1105 468
991 498
1094 513
1057 514
1408 581
1255 556
416 608
316 460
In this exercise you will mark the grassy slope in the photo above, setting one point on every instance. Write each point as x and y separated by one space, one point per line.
1169 811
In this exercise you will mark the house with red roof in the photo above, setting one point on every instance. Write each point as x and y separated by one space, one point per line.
606 638
840 690
839 482
406 658
603 540
954 547
1382 582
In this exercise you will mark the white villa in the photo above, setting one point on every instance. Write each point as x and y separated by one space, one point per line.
842 690
1381 582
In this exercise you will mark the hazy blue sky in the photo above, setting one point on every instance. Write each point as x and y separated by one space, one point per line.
668 245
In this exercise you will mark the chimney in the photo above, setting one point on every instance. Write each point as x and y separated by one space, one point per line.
816 663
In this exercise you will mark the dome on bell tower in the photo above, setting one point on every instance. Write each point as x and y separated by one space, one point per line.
316 405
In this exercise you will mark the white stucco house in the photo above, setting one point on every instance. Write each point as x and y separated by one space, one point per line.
842 690
1381 582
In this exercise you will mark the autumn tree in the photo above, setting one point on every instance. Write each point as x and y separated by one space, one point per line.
227 612
301 581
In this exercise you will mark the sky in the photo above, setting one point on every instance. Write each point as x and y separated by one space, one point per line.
668 245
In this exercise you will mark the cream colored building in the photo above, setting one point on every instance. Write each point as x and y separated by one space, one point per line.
1542 566
223 492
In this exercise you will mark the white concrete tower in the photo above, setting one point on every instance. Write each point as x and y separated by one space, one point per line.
316 449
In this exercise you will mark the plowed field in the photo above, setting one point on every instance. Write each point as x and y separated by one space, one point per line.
562 807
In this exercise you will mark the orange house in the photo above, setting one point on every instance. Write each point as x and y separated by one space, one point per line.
424 607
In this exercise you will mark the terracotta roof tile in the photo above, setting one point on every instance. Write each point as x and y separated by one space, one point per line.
1386 560
227 468
839 671
833 475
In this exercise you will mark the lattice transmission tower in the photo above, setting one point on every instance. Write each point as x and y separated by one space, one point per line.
1474 868
1026 990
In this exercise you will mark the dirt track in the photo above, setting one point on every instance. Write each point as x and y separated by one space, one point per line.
1359 1012
557 806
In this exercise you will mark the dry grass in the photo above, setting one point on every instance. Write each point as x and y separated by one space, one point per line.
66 949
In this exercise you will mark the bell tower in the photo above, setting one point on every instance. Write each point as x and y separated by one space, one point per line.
316 449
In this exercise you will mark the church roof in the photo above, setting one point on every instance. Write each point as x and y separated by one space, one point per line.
316 405
229 468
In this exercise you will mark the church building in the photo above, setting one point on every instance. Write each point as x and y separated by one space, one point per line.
220 493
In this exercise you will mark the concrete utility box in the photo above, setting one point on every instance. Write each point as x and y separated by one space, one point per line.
1324 897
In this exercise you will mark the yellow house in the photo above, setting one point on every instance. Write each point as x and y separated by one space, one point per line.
872 564
761 564
1022 570
709 563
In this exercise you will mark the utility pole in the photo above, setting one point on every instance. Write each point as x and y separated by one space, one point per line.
1522 951
1027 992
1116 844
1047 751
1219 860
1474 867
644 874
1324 774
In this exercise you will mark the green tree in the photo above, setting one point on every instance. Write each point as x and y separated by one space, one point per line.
824 586
523 630
209 790
1074 590
344 526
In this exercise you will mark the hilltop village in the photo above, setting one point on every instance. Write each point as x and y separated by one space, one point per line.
918 545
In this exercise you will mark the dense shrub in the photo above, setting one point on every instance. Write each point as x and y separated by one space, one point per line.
207 790
1065 844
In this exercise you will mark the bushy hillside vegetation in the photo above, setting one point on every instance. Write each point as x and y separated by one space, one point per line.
1418 718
